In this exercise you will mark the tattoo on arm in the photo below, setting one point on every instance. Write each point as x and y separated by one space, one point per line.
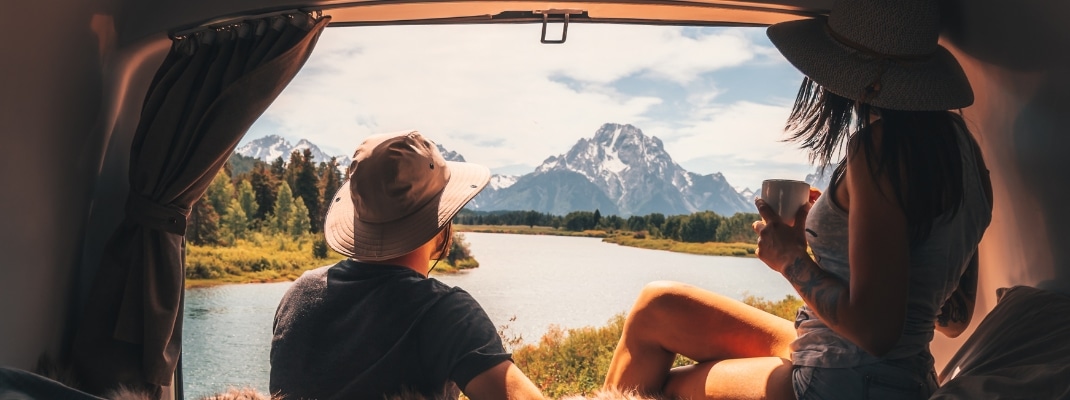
819 287
956 309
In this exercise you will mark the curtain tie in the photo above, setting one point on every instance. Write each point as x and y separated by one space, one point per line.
167 218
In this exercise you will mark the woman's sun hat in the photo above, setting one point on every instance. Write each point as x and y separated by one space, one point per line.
399 195
881 52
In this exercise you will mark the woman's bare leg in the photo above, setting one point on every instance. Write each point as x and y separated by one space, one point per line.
672 318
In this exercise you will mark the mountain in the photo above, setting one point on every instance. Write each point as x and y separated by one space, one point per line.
748 194
449 155
618 171
270 147
821 178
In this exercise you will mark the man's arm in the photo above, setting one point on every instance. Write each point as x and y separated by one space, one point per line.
502 381
955 315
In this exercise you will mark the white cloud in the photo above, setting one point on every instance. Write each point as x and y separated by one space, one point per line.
498 96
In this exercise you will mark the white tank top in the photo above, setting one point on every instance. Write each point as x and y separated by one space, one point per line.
935 268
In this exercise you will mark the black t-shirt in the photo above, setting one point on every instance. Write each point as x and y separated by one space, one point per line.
365 331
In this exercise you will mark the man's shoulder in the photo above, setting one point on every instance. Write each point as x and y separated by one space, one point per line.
315 274
312 278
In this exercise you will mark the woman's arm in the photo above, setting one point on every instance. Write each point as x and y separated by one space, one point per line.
870 310
955 315
957 311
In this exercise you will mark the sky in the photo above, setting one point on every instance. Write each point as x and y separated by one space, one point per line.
716 97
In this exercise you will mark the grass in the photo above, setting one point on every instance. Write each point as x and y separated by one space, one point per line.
623 238
708 248
528 230
266 258
575 361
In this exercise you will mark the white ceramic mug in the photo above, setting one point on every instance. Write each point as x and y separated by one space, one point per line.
785 196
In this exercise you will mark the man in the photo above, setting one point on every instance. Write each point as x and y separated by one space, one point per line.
375 325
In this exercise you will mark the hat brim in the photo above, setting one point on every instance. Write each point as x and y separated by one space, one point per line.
934 83
350 236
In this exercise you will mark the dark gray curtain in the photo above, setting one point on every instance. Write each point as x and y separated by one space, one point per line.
210 89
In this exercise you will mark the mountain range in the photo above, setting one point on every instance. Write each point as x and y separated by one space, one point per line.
620 170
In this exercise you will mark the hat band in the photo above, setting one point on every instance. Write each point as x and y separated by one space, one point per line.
874 88
873 53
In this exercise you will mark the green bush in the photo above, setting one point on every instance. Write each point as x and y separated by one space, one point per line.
467 263
319 247
785 308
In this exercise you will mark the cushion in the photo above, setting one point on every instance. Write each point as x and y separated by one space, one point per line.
1021 350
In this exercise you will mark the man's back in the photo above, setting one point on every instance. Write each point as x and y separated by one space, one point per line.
358 330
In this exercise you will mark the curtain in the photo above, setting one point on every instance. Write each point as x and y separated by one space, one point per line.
210 89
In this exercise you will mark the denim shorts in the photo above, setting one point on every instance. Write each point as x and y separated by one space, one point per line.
909 378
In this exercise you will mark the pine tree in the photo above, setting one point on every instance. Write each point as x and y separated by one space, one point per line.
266 186
278 168
234 224
283 218
220 191
301 223
330 181
247 199
301 175
203 227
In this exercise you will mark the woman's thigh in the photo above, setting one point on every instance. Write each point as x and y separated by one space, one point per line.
741 378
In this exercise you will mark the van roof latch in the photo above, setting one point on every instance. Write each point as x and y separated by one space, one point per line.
563 15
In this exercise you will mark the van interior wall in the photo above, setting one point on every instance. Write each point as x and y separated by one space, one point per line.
70 114
73 82
54 130
1016 59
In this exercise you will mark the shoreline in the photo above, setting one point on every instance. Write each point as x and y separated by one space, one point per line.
624 238
620 238
443 268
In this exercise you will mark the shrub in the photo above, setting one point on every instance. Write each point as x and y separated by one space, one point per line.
573 361
785 308
319 247
467 263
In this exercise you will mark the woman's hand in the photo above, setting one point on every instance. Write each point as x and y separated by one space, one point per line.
778 243
814 194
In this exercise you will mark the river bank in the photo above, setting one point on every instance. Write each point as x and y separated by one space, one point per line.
275 259
624 238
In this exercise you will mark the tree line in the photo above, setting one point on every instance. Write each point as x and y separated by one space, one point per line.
698 227
291 197
252 196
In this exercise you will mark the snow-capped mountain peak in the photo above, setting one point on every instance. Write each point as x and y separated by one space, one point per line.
271 147
634 171
498 182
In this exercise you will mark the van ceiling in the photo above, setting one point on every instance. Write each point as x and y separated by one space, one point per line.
659 12
697 13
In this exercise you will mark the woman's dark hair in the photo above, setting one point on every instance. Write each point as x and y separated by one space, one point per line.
919 150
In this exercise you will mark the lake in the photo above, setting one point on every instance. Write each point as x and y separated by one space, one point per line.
540 280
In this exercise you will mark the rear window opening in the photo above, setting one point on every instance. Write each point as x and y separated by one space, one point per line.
715 99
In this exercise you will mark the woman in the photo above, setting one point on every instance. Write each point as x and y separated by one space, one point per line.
894 237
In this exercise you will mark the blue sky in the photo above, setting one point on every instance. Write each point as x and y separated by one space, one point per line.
716 97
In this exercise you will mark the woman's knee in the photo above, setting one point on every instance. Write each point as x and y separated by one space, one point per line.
660 301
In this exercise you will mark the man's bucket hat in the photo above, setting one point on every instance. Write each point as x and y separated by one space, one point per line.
399 195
